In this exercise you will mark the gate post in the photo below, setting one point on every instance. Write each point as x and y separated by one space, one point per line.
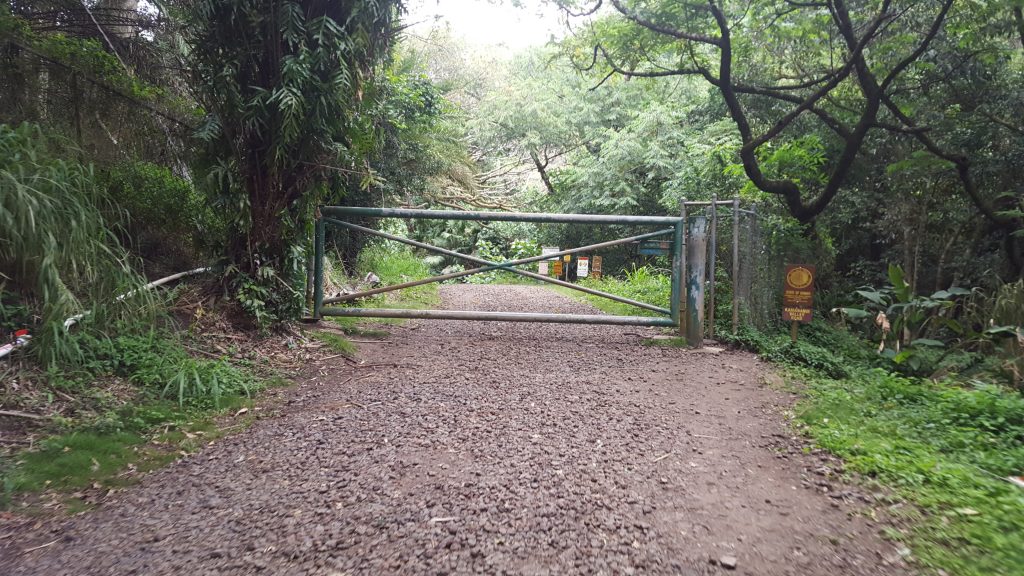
318 266
696 255
678 274
680 294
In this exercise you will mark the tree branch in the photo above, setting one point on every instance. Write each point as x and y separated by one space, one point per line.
662 28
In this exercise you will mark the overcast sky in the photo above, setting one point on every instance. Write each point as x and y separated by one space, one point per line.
488 22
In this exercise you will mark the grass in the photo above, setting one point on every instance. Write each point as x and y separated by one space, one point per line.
76 460
942 447
335 342
642 284
392 266
671 342
141 401
112 451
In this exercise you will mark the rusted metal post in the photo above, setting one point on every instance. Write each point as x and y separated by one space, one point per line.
677 270
735 264
711 266
682 270
696 255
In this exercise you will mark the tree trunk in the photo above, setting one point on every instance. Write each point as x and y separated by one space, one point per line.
542 170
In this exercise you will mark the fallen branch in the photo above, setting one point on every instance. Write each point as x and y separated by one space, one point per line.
336 356
34 548
20 414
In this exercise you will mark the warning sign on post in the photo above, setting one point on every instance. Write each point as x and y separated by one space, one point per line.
582 267
542 267
798 293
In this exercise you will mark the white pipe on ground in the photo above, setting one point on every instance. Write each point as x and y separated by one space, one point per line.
74 319
12 346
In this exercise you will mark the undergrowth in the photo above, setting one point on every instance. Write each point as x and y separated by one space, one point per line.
159 364
110 450
335 342
165 405
393 265
642 284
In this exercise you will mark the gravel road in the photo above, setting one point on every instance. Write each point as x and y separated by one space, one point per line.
491 448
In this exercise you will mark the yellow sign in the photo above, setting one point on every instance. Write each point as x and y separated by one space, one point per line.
798 293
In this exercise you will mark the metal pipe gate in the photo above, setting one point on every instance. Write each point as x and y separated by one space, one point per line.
670 226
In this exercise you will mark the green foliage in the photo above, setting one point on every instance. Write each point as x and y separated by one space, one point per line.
163 218
269 298
58 253
642 283
160 365
492 252
805 353
281 85
944 448
396 266
336 342
926 325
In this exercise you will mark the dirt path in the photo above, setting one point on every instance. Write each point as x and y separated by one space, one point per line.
491 448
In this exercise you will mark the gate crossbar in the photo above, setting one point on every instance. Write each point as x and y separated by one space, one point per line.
489 265
499 316
537 217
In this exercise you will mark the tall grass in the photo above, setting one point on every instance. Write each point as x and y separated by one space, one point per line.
644 284
394 266
58 255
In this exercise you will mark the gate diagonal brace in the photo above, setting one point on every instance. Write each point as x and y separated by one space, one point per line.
490 265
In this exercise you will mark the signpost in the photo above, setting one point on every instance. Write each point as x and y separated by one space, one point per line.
542 267
655 247
797 296
595 269
582 267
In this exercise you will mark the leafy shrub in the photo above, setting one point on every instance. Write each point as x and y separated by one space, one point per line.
779 348
161 366
488 251
57 251
162 216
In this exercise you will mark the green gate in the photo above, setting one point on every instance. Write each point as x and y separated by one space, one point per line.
673 228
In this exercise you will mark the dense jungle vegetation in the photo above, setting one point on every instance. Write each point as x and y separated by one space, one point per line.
881 140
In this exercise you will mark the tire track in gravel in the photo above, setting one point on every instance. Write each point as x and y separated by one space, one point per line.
491 448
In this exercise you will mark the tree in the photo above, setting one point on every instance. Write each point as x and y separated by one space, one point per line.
785 69
281 82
